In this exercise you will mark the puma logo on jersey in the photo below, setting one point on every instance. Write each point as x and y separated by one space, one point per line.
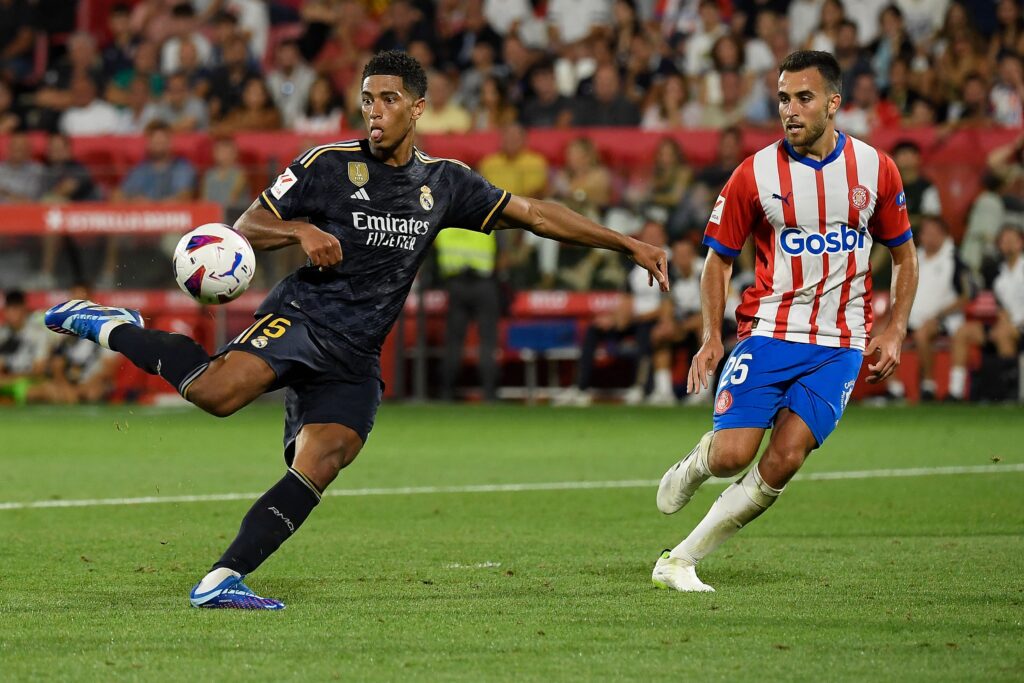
784 200
360 194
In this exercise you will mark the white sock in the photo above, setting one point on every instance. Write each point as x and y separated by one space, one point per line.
957 381
738 505
928 385
213 579
663 382
896 388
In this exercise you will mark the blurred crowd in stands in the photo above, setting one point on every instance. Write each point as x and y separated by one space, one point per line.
156 68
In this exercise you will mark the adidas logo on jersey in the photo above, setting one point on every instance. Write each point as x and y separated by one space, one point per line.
360 194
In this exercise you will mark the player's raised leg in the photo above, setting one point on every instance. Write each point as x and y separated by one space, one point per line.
220 386
321 451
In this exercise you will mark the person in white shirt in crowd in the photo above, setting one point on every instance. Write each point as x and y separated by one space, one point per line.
679 325
1006 332
633 319
570 21
289 81
88 115
183 26
21 176
943 291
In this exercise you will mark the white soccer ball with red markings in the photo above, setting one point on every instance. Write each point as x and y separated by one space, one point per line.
214 264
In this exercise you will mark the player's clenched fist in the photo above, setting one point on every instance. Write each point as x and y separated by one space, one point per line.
322 248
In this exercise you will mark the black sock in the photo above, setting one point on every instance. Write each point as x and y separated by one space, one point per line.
269 522
175 357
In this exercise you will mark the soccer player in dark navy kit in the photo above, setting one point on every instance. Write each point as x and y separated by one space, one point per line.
365 212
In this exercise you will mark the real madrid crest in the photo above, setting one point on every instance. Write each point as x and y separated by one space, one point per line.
358 173
426 199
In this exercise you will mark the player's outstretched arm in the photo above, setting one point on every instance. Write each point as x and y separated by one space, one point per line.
554 221
714 287
265 232
889 343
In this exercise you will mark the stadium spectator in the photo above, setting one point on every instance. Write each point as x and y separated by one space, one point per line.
17 37
139 111
23 347
921 194
632 320
988 212
868 16
88 115
758 58
444 114
144 65
699 45
519 60
505 16
727 54
899 91
161 176
848 53
197 75
459 51
670 107
82 59
803 17
893 43
494 109
1009 35
334 48
151 20
707 184
228 80
65 179
962 60
253 23
117 54
225 182
546 108
1004 334
407 24
324 113
607 106
669 181
180 109
826 35
12 117
471 79
731 109
922 17
626 29
183 26
21 176
971 108
256 111
289 81
679 324
571 21
1006 99
522 172
943 291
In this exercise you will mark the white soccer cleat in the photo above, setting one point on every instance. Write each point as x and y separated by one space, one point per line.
681 481
679 575
634 396
572 397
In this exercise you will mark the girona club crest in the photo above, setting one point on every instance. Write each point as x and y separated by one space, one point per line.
859 197
723 402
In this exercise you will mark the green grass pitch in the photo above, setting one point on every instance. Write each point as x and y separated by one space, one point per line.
880 578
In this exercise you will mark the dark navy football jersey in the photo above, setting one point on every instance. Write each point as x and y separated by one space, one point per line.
385 217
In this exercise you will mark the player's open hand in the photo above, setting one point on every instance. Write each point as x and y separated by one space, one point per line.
704 364
887 347
654 260
323 249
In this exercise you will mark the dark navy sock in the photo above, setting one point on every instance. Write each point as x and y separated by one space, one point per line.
270 522
175 357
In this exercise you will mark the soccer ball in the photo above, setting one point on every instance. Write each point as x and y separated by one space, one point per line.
214 264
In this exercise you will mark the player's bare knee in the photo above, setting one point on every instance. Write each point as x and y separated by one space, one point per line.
785 458
729 459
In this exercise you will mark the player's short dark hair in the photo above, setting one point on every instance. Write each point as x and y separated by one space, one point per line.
401 64
824 62
14 297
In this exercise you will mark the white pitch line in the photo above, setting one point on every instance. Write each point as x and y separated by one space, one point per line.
509 488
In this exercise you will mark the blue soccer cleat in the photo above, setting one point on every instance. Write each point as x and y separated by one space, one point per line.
231 593
89 319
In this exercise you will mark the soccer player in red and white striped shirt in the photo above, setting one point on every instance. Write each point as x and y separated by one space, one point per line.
813 203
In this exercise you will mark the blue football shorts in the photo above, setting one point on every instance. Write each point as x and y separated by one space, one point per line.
763 375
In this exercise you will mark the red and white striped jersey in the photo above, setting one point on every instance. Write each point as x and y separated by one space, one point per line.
813 224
